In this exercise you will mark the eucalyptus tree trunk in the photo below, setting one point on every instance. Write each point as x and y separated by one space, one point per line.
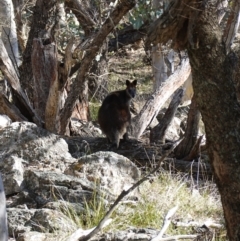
9 32
194 25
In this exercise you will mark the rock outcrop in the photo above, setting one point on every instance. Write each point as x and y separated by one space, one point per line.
43 182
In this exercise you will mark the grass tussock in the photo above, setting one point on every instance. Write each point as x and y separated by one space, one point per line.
195 203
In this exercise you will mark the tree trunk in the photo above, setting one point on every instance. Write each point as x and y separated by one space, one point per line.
98 77
20 98
191 134
215 74
157 134
9 32
213 83
45 77
40 28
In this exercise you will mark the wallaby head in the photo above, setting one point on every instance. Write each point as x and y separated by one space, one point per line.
131 88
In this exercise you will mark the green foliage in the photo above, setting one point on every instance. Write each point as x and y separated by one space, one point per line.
143 12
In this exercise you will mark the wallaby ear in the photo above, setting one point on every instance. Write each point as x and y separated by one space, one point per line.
127 82
134 82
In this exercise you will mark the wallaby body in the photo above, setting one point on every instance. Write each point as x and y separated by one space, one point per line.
114 115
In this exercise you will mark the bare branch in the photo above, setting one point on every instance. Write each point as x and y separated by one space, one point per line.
160 96
82 15
175 24
7 68
166 223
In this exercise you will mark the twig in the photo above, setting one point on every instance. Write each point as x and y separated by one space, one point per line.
166 223
80 232
177 237
125 193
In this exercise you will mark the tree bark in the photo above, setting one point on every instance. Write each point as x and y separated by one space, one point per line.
160 96
20 98
10 110
9 32
215 74
157 134
41 27
79 84
217 101
45 77
191 134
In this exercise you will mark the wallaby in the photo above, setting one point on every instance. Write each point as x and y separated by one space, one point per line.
114 115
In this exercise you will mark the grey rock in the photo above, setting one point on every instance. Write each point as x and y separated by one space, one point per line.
47 187
44 182
4 121
37 236
23 145
111 171
17 219
51 221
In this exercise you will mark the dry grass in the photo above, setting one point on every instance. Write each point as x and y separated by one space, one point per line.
196 203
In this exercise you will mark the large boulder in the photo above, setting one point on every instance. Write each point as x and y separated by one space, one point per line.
111 171
23 145
45 183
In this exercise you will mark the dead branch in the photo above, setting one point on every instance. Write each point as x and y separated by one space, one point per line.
10 110
80 232
82 14
20 97
175 24
195 152
166 223
158 133
190 136
208 223
160 96
177 237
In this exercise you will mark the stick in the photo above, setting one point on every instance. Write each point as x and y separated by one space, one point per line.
166 223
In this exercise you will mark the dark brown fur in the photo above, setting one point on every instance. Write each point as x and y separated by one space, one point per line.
114 115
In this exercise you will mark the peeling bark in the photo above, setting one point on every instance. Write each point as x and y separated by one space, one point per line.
40 28
20 99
